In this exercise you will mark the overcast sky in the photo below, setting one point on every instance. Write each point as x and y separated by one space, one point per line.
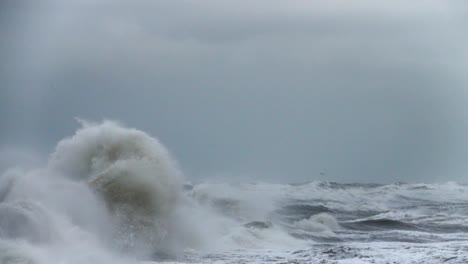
369 91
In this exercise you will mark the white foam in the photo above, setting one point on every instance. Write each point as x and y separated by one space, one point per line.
106 188
321 223
110 194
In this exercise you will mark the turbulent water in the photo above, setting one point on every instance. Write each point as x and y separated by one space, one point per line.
110 194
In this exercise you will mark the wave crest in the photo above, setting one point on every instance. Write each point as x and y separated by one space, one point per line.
131 171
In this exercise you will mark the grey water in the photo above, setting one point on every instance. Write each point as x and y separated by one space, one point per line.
112 194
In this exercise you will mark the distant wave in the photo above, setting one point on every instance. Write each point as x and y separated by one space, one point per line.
377 224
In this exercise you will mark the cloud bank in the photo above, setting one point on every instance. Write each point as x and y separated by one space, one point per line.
362 90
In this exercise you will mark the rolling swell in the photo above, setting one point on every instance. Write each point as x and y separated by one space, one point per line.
379 224
296 212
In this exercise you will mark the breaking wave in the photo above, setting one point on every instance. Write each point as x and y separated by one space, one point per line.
133 174
111 194
107 186
323 223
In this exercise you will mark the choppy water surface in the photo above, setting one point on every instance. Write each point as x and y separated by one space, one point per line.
114 195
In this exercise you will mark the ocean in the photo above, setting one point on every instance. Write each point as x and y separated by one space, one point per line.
111 194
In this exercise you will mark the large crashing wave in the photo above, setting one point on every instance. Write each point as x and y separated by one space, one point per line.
106 186
121 163
134 174
132 171
111 194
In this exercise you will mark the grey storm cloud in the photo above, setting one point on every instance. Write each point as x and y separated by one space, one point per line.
275 90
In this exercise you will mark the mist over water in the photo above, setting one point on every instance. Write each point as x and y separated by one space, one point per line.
112 194
106 194
107 189
298 132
